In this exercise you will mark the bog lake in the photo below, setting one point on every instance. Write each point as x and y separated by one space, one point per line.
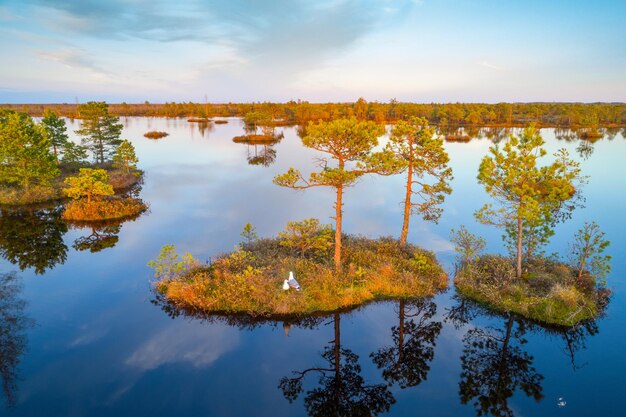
81 332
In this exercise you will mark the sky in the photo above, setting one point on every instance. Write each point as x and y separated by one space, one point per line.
67 51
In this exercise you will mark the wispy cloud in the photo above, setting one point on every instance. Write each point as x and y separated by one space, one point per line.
72 58
489 65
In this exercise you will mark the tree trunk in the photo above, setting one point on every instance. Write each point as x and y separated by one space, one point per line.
519 247
407 206
338 219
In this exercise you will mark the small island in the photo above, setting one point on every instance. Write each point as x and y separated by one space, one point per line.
250 280
531 197
155 134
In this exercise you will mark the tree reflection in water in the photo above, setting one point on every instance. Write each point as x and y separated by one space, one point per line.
33 238
102 235
407 361
13 339
494 363
494 366
342 391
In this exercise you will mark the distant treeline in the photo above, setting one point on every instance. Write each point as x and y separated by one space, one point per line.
300 112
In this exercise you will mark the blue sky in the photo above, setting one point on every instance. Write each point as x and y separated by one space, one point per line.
322 50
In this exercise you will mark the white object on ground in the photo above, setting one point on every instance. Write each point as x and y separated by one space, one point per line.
285 285
292 282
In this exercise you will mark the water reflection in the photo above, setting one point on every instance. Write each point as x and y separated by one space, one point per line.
341 390
33 237
407 361
495 363
260 149
101 235
13 339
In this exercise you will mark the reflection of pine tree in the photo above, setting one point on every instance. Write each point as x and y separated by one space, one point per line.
494 367
585 149
265 157
33 238
102 237
342 390
13 340
407 361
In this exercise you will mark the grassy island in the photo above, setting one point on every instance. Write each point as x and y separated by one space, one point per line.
258 139
155 134
113 208
548 291
250 279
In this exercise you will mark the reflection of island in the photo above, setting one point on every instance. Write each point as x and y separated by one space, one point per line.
494 362
33 238
407 361
260 148
102 235
13 339
341 390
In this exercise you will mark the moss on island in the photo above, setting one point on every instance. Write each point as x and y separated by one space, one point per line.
549 291
250 279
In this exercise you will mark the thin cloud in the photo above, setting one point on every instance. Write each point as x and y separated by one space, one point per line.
489 65
72 58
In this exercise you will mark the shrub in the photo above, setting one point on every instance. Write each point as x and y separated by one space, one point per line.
307 237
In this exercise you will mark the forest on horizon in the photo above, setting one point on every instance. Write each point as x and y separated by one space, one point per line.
574 115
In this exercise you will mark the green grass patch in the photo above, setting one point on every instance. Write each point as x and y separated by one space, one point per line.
250 279
548 291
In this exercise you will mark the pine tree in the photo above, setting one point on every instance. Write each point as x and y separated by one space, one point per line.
88 183
125 157
426 164
100 130
55 130
528 195
347 141
25 157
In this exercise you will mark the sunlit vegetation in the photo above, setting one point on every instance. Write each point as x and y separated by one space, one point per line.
349 144
549 290
37 158
155 134
220 122
198 120
529 196
574 115
259 139
458 138
103 209
420 155
250 279
91 191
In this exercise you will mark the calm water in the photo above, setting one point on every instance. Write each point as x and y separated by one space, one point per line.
80 334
